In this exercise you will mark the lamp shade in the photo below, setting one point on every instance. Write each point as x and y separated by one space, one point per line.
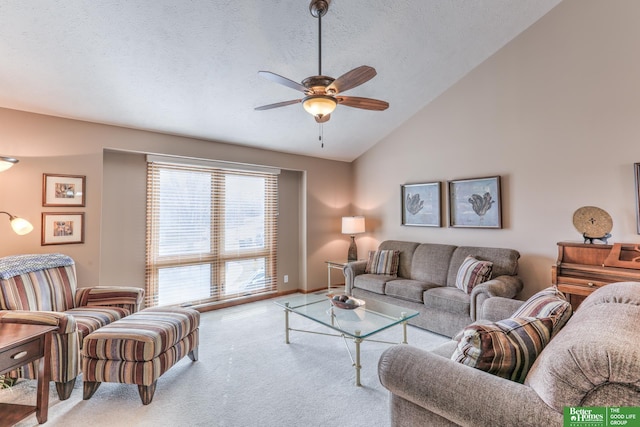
21 226
319 105
7 162
352 224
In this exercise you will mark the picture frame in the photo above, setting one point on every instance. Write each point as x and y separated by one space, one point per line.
636 167
421 204
63 190
475 203
62 228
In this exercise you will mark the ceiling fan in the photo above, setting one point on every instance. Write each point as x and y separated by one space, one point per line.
323 93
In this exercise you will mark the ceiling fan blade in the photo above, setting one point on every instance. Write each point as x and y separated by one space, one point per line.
282 80
351 79
323 119
364 103
278 104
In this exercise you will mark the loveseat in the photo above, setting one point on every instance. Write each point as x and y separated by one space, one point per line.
42 289
426 281
593 361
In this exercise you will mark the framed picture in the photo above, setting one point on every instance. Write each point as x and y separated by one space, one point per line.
475 203
63 190
637 174
421 204
62 228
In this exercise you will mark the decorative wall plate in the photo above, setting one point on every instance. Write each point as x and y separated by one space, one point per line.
592 222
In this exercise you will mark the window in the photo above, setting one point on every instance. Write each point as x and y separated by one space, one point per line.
211 234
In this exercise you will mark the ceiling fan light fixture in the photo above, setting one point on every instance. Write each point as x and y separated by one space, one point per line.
319 105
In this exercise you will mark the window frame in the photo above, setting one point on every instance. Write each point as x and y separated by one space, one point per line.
217 257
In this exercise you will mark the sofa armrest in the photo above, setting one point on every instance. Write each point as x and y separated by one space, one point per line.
459 393
501 286
66 323
498 308
351 270
111 296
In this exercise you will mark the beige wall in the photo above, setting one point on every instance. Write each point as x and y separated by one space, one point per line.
556 113
113 253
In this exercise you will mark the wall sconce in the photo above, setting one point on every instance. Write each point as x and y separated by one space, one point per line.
352 225
20 226
6 163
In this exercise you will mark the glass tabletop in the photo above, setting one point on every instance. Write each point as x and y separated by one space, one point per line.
372 317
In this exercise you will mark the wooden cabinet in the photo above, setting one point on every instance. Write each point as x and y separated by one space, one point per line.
582 268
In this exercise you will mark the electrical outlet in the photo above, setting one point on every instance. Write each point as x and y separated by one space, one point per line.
286 278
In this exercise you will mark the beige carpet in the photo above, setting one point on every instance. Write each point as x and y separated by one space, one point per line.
246 376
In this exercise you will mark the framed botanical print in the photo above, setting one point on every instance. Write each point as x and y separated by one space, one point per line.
475 203
63 190
62 228
421 204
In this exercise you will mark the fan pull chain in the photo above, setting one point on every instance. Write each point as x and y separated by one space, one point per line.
321 135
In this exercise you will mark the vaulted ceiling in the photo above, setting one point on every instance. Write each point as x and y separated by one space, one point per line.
190 67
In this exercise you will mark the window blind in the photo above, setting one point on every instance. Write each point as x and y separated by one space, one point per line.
211 233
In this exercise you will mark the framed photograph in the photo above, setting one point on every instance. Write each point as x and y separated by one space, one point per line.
637 174
63 190
421 204
475 203
62 228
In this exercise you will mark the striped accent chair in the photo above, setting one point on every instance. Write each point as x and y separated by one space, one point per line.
42 289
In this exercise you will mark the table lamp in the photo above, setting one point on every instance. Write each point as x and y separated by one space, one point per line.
352 225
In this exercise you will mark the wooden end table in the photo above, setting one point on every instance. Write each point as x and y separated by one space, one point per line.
21 344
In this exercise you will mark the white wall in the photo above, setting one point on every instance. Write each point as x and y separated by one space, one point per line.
47 144
555 113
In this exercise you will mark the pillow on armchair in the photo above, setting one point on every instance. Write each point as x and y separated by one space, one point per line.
383 262
506 348
549 302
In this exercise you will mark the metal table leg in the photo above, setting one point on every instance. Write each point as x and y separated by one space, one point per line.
357 365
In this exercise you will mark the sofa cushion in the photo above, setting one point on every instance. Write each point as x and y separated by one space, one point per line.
406 254
372 282
407 289
90 319
383 262
506 348
430 263
472 272
444 298
550 303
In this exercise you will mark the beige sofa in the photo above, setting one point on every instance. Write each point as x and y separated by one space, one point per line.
426 282
592 361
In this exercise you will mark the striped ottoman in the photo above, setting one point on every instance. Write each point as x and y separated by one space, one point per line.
139 348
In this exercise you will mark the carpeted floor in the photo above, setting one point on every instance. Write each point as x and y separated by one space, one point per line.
245 376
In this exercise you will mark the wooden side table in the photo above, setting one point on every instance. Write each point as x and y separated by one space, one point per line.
19 345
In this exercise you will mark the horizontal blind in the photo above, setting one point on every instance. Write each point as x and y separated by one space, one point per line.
211 234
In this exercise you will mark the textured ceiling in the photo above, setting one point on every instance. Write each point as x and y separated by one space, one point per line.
190 67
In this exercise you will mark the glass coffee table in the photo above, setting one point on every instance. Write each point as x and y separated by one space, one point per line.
357 324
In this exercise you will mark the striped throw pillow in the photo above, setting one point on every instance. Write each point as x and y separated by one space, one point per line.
473 272
506 348
383 262
549 302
